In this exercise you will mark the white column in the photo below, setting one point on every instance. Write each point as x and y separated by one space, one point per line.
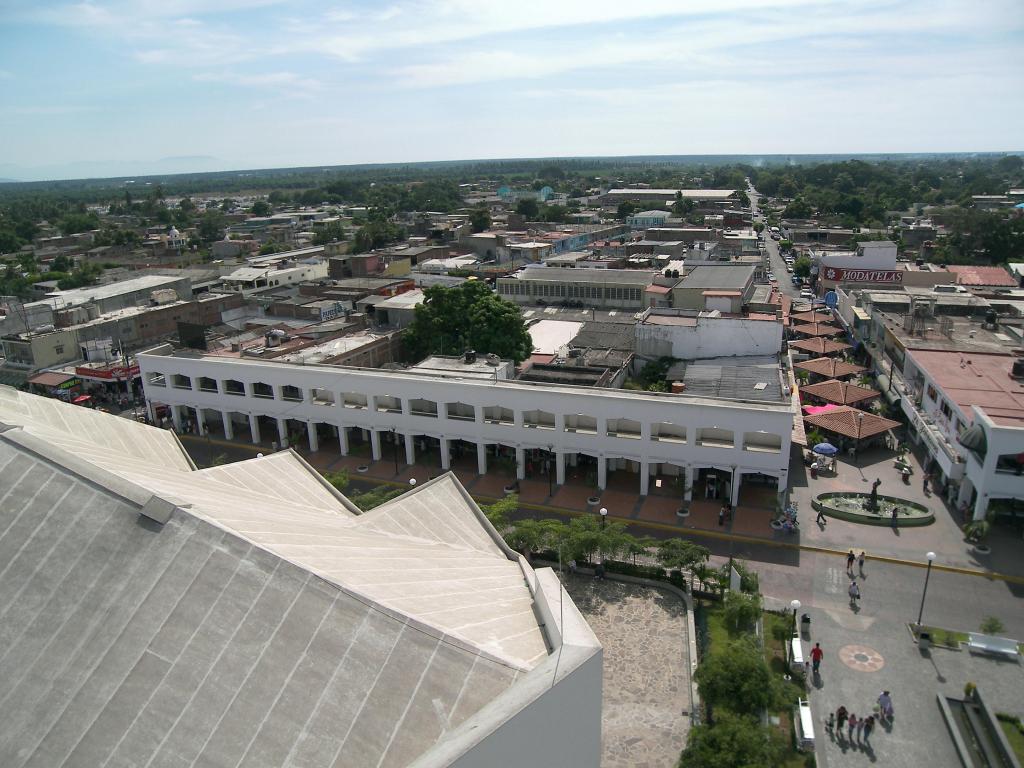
645 477
282 432
410 449
981 506
375 444
200 422
254 428
481 458
559 468
314 438
446 459
602 472
151 411
176 417
343 440
688 482
737 478
520 464
229 427
963 495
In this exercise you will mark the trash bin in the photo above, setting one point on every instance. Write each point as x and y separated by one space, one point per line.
924 641
805 621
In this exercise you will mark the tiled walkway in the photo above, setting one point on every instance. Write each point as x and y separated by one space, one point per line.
646 671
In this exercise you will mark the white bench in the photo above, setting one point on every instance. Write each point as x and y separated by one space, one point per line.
796 655
804 726
991 644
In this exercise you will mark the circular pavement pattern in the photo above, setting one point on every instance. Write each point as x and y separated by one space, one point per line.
861 658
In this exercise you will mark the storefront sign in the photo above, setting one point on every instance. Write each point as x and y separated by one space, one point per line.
115 372
841 275
69 384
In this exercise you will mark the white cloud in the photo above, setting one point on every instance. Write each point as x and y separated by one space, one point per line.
285 81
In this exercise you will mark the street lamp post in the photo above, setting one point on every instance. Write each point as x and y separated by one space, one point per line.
412 482
604 515
394 447
928 573
795 605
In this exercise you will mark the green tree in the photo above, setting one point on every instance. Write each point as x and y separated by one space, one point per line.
736 677
73 223
261 208
467 316
741 610
680 554
802 267
480 219
528 207
625 209
376 233
733 740
211 226
498 512
332 233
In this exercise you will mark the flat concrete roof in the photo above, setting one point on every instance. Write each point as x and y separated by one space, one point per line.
550 335
973 378
554 275
755 378
718 277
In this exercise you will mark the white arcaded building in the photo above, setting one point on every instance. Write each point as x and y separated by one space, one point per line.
728 421
249 615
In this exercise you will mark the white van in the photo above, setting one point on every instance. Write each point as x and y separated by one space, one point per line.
806 294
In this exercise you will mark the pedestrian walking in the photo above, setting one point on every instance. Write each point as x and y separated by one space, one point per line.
895 517
860 562
830 724
852 726
869 726
850 558
721 516
885 708
841 715
860 727
854 593
821 519
816 655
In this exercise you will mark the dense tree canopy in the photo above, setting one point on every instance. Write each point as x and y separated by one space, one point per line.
736 677
467 316
733 740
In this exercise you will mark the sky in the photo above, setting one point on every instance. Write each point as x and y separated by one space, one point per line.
114 87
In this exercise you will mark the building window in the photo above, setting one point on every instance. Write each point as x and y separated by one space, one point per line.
59 349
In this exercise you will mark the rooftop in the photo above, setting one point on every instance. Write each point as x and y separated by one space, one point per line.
979 379
78 296
751 378
555 275
240 614
963 333
693 194
718 277
550 335
969 274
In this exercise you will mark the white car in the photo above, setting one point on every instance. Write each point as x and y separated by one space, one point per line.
789 268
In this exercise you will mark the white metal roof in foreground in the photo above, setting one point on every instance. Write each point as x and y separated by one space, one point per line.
210 639
429 555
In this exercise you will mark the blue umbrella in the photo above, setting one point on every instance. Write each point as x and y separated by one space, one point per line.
825 449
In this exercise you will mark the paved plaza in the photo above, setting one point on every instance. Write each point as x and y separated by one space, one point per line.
646 670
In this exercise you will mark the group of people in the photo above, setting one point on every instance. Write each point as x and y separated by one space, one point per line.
861 727
854 588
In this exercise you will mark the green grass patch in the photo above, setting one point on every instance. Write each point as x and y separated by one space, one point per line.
1014 733
948 637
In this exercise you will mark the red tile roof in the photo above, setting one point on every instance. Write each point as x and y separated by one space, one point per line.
969 274
817 329
819 345
839 392
851 422
832 367
971 378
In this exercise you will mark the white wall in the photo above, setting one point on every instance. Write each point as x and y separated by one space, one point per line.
552 715
711 337
646 408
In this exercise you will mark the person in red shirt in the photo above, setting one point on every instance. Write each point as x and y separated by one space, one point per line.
816 656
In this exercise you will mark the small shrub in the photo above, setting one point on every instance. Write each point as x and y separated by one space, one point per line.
992 626
969 690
